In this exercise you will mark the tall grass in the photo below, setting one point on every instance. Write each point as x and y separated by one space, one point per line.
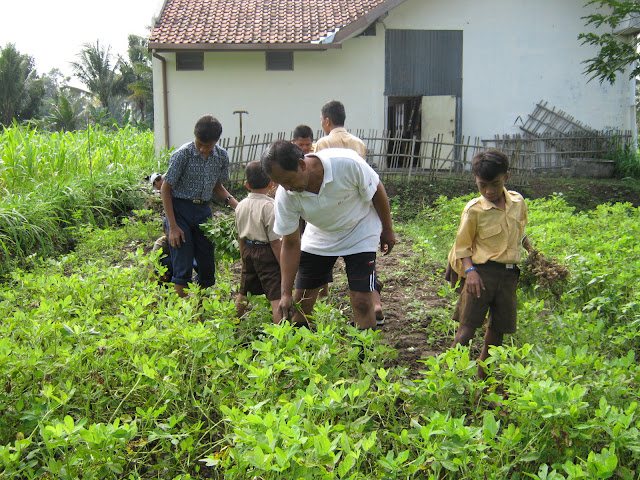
29 157
627 163
52 181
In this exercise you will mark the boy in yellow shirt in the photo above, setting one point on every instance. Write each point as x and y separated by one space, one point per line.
486 253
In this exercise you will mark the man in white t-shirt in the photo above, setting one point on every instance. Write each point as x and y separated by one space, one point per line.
347 212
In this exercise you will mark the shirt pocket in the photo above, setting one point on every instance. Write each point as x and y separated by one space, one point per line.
489 231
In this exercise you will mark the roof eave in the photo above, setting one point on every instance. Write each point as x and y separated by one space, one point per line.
365 20
218 47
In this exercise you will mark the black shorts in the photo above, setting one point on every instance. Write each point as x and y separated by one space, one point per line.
317 270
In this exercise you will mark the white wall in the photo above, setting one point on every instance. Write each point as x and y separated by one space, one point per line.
515 53
276 101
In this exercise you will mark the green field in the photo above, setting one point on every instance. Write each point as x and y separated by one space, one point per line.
107 375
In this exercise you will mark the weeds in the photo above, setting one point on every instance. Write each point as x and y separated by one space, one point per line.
627 163
106 375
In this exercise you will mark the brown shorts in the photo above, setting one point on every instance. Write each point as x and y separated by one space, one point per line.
260 272
498 298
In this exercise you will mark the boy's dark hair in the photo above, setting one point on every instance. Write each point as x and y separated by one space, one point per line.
303 131
489 164
282 153
334 111
208 129
256 177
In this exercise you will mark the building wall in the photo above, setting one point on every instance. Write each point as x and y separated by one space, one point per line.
515 53
276 101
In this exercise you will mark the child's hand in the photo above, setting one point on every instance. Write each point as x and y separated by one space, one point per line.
473 284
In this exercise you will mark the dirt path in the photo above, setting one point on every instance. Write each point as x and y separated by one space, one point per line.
413 310
416 325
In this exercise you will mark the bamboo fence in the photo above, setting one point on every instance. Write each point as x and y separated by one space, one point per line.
393 155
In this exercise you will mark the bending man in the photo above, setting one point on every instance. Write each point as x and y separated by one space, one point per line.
347 212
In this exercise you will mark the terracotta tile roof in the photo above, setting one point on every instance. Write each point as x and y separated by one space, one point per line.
258 22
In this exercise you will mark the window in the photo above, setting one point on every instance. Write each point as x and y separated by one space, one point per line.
279 60
190 61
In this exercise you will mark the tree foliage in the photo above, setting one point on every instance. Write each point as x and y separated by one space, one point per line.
102 76
616 52
140 78
66 112
21 90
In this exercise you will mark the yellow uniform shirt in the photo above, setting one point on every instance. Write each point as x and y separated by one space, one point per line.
339 137
489 233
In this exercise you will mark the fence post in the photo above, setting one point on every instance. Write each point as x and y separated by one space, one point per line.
413 147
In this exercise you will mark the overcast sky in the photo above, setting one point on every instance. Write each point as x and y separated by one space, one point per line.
53 31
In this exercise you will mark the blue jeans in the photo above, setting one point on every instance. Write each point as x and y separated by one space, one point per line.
196 246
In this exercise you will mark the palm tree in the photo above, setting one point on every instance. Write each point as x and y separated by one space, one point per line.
21 91
66 112
140 78
94 69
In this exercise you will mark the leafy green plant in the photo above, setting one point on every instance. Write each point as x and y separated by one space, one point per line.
107 375
627 163
221 231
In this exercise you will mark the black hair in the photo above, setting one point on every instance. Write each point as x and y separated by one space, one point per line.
489 164
256 176
334 111
303 131
208 129
282 153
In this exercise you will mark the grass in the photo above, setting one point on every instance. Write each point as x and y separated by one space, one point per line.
54 183
627 163
109 376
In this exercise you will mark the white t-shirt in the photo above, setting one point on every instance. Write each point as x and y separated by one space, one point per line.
341 219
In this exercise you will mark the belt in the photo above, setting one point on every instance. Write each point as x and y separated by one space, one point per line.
199 202
255 242
506 266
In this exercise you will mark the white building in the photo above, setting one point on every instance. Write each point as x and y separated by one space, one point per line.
463 67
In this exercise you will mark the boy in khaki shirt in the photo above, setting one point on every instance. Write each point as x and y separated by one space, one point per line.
486 253
259 244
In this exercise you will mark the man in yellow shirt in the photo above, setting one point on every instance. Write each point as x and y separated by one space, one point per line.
332 117
486 253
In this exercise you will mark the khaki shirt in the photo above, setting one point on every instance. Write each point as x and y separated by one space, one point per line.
489 233
339 137
255 218
162 243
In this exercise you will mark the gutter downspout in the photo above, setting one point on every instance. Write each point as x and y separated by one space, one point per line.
165 101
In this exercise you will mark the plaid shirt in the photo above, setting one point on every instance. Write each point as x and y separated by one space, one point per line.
193 177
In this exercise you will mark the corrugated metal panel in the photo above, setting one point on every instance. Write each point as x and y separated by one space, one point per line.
423 62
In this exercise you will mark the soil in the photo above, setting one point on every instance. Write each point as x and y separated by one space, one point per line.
417 319
410 301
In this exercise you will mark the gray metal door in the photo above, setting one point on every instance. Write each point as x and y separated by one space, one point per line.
423 62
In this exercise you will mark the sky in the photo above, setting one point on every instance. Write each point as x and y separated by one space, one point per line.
53 31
